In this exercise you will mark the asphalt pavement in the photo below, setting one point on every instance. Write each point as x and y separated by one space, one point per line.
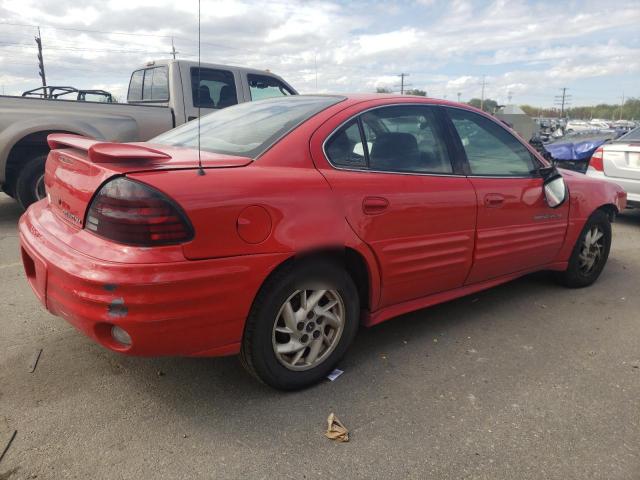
528 380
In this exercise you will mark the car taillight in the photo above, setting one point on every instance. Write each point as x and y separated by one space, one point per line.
596 160
133 213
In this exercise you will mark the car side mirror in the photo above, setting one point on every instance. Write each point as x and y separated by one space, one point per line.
555 190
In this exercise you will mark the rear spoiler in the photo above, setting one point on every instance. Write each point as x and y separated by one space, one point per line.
105 152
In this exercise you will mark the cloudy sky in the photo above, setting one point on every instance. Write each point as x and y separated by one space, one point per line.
530 49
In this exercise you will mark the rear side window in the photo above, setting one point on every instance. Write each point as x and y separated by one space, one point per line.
213 88
263 86
149 85
491 150
396 139
632 136
345 148
405 139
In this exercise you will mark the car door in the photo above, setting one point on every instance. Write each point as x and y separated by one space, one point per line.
516 229
401 195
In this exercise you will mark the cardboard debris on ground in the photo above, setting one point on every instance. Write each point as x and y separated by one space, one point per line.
336 430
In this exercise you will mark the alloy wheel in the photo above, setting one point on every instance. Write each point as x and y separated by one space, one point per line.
591 250
308 328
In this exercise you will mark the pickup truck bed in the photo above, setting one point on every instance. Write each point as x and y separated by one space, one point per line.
161 95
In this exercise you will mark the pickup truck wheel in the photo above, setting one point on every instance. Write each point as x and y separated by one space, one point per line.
590 252
300 325
30 183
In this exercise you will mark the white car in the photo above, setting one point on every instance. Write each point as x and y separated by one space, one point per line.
599 125
578 126
619 161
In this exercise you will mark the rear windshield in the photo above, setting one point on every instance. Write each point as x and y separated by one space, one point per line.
247 129
632 136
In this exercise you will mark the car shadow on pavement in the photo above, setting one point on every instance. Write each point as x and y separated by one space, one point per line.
10 211
221 384
629 217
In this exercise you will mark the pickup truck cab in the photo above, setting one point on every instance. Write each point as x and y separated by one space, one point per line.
161 95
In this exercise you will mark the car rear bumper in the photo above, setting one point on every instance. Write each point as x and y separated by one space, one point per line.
632 187
184 308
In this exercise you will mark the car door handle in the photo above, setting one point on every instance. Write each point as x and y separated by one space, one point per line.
493 200
374 205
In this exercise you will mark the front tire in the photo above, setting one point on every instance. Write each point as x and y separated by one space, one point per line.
30 181
301 323
590 252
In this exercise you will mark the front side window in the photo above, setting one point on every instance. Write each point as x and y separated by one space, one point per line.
213 88
491 150
247 129
263 86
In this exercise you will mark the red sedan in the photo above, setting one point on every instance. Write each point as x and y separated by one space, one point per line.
299 219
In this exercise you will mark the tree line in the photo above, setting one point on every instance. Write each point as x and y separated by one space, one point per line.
630 110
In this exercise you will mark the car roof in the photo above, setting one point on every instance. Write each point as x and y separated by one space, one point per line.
354 98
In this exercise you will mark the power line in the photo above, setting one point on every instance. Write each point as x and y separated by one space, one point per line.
402 84
562 100
41 62
80 49
85 30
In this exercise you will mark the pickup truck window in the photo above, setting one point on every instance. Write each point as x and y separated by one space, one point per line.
262 86
248 129
213 88
135 86
149 85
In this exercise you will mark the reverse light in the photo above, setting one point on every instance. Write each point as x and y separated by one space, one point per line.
130 212
596 160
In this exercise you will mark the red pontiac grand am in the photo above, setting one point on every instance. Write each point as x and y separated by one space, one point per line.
301 218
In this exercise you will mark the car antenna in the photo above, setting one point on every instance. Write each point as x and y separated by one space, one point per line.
200 169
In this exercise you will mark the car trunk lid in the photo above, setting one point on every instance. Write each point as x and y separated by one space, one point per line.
78 166
622 160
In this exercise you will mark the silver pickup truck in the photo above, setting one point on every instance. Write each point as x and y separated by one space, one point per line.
161 95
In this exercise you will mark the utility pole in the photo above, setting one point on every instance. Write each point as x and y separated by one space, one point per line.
509 96
315 66
173 49
459 94
41 61
563 100
484 83
621 105
402 84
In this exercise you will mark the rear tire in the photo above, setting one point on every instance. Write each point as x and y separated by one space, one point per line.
590 252
291 340
30 181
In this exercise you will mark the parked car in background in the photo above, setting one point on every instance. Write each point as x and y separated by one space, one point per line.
600 125
577 126
301 218
619 162
161 95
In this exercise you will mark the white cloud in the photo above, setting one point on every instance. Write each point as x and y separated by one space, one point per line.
358 46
